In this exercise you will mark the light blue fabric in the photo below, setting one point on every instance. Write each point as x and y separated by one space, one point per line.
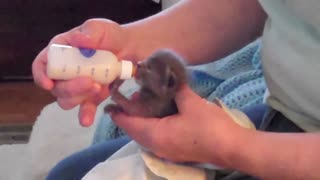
243 83
236 79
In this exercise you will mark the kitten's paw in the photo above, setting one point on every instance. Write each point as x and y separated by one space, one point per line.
112 108
117 97
114 86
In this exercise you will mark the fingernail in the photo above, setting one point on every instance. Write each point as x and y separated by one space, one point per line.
47 85
86 121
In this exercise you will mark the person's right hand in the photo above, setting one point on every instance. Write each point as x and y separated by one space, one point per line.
96 34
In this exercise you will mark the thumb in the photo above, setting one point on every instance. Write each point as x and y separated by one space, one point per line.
186 99
92 34
78 38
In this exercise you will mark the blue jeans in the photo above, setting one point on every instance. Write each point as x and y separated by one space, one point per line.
77 165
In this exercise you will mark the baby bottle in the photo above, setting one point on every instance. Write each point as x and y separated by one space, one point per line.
67 62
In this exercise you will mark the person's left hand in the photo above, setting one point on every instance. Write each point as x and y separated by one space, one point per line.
200 132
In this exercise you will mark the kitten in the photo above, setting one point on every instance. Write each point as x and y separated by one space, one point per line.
160 76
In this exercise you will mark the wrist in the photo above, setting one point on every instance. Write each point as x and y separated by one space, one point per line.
235 149
232 144
226 152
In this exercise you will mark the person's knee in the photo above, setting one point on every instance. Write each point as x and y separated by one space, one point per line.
77 165
63 170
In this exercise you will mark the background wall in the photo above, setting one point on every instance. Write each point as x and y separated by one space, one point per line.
27 26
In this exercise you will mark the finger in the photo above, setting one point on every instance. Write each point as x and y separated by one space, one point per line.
96 30
39 71
89 107
100 34
186 99
73 37
143 130
87 113
69 103
40 63
88 35
80 86
102 95
60 39
80 39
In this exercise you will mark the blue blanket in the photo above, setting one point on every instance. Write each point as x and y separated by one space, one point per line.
237 80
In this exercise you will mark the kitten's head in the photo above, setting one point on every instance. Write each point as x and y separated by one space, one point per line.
163 73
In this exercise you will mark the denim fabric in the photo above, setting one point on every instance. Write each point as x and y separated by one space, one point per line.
77 165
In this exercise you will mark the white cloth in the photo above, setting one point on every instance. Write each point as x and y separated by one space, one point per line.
132 163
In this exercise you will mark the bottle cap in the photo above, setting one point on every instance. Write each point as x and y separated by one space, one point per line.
126 69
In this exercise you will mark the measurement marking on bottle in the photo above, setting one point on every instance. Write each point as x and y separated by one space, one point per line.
106 72
92 71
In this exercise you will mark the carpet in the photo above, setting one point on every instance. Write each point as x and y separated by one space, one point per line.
55 135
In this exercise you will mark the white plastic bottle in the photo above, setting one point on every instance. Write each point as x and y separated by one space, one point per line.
67 62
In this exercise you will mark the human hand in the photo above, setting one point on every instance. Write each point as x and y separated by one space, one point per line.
201 131
96 34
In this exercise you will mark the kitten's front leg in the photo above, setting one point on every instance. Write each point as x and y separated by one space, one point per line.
123 104
115 85
115 95
112 108
133 107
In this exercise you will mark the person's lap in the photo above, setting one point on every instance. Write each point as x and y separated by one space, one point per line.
77 165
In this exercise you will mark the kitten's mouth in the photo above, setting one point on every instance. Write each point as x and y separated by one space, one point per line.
139 74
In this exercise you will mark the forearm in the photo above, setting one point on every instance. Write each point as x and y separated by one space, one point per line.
277 155
200 30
